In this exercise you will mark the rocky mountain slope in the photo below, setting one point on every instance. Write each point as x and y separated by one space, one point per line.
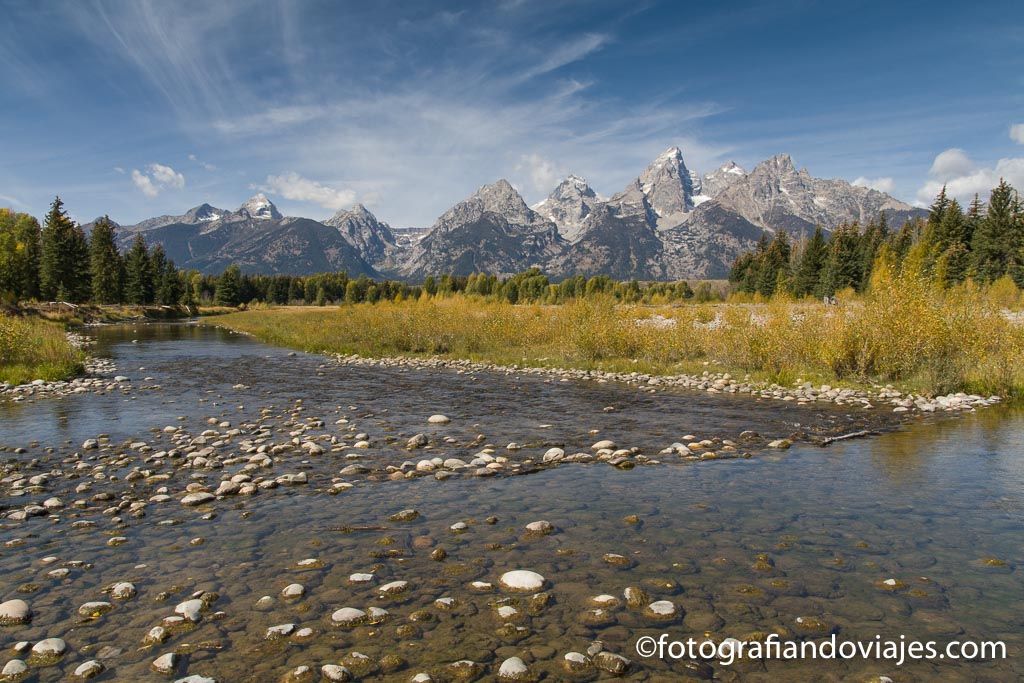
668 223
256 237
492 231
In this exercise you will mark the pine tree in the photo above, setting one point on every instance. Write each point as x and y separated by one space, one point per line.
995 239
106 264
138 279
812 260
169 289
843 265
64 257
157 270
229 286
774 266
870 242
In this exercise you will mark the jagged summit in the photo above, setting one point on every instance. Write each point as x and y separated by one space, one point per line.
260 208
569 205
725 175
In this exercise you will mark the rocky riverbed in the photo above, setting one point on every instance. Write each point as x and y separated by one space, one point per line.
252 515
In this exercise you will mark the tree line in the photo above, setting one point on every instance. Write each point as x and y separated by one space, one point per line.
983 243
59 261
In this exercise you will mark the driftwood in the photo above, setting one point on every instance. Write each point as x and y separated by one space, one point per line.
852 435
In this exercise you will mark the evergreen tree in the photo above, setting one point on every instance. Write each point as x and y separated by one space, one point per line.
774 266
996 239
870 243
229 286
138 278
169 290
157 268
843 265
64 257
809 267
106 264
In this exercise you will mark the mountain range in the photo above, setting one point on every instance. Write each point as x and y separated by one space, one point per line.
668 223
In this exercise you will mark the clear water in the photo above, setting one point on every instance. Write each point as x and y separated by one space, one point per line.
939 500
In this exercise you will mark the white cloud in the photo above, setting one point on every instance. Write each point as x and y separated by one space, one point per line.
1017 133
295 187
963 178
269 120
951 164
119 170
157 178
885 184
542 173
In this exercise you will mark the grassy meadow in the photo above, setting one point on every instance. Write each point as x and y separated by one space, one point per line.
31 348
905 331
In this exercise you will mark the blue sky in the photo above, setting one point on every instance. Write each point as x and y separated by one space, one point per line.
143 108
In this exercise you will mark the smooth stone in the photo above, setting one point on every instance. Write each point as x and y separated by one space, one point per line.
522 580
49 647
198 498
123 591
15 612
335 672
513 669
348 616
14 669
89 669
438 419
293 590
191 610
165 664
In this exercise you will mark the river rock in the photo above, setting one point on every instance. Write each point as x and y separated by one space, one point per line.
522 581
87 670
123 591
348 617
438 419
335 672
198 498
165 663
15 612
513 669
49 648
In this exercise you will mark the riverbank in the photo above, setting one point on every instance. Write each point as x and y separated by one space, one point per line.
909 351
33 349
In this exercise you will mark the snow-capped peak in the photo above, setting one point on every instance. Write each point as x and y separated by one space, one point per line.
260 207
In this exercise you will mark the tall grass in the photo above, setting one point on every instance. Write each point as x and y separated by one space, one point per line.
905 331
33 349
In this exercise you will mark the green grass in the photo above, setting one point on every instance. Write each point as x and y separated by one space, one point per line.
32 349
905 332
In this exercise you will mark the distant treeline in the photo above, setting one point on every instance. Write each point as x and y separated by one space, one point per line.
60 262
983 243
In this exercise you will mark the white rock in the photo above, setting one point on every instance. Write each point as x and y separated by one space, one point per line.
15 612
49 647
522 580
198 498
438 419
123 591
348 616
14 668
191 610
165 664
513 669
335 672
293 590
88 669
279 631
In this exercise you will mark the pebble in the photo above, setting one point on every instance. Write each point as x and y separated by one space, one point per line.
438 419
513 669
89 669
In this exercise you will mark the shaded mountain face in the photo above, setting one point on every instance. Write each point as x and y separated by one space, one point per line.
569 206
374 240
492 231
620 246
256 237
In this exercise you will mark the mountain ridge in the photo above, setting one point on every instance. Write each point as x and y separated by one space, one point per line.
667 223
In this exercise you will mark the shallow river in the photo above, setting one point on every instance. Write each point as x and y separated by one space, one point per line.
916 532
